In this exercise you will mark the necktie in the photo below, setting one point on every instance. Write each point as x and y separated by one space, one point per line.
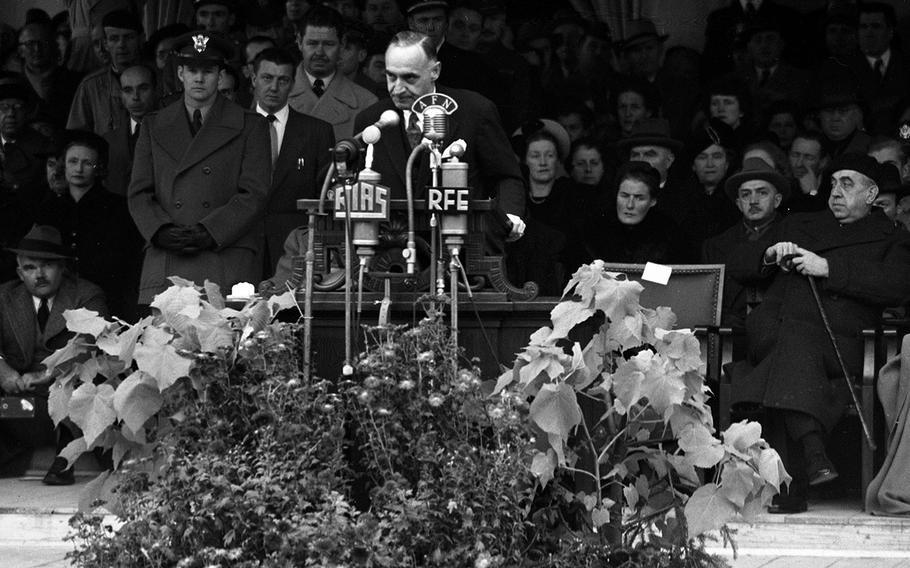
197 121
763 76
750 10
273 135
415 134
879 68
43 313
133 137
318 87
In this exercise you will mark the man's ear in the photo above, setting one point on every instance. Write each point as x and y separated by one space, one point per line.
180 72
671 157
872 194
435 70
778 199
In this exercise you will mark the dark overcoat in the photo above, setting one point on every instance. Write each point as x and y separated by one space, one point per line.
219 178
791 362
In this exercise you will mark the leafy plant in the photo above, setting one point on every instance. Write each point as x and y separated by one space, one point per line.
624 426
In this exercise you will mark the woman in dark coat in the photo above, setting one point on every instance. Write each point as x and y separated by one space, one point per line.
633 231
96 225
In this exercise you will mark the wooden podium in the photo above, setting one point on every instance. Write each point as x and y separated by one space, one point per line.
496 310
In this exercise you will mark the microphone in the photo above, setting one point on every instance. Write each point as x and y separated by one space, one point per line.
435 123
371 134
346 155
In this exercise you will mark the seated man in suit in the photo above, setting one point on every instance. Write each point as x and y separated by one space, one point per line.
31 328
859 263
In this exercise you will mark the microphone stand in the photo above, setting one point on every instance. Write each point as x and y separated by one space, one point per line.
310 269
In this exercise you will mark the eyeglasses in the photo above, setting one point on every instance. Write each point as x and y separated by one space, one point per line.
91 164
33 44
9 107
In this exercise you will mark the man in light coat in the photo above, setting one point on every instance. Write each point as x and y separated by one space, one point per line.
319 89
200 179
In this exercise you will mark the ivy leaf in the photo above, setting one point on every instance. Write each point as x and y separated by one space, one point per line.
73 349
177 304
137 399
627 382
741 436
630 493
541 337
660 318
546 361
213 331
543 466
600 516
285 301
565 316
58 400
682 348
213 294
737 481
259 318
73 450
91 493
88 370
684 469
617 298
707 510
508 376
122 345
701 448
92 409
555 409
162 362
771 468
85 321
663 386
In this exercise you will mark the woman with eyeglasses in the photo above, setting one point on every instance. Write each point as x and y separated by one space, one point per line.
96 225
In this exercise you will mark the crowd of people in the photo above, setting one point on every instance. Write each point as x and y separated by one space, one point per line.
175 137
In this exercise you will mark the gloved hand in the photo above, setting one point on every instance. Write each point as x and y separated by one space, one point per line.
171 237
198 239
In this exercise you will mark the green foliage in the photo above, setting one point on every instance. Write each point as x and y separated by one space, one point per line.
624 423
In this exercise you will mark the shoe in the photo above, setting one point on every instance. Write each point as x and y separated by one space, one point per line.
59 474
788 508
823 475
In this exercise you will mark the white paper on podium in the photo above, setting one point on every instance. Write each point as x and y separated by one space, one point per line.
657 273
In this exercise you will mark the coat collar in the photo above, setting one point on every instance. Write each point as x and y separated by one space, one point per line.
824 232
24 323
224 122
340 90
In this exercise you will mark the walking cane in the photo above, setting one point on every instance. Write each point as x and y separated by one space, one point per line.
840 360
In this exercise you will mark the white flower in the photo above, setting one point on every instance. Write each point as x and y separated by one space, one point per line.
406 384
436 400
452 505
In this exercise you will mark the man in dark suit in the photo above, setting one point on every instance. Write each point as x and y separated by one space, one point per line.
137 93
757 191
31 328
881 72
300 147
54 84
412 71
200 179
861 264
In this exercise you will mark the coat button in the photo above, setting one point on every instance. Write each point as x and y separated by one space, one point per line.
205 204
178 204
206 170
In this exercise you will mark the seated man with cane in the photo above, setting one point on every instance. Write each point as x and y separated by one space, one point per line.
31 328
830 275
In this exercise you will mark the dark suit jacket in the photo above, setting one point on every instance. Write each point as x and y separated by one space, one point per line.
791 364
20 342
494 170
219 178
786 83
882 94
308 139
120 159
23 167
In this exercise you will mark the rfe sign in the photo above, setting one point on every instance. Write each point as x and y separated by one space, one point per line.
448 199
368 201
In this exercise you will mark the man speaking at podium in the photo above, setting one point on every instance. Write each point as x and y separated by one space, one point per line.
411 72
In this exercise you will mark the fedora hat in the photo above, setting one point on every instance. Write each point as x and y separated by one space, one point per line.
637 32
421 5
14 86
756 168
42 241
650 132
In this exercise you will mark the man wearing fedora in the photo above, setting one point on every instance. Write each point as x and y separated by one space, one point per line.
757 191
860 263
200 179
31 328
841 117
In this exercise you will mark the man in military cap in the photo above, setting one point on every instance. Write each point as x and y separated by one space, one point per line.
200 178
